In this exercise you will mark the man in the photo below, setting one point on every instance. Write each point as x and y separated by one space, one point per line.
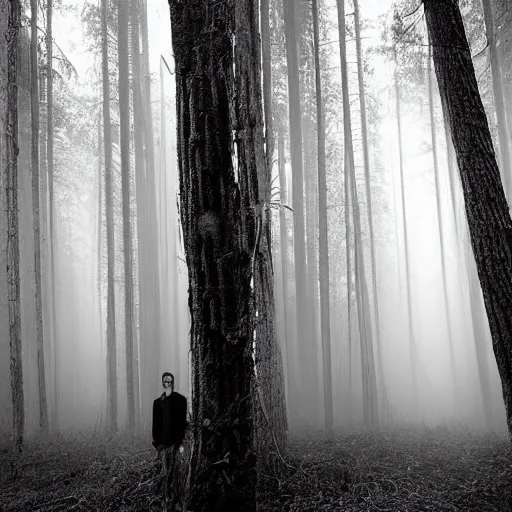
169 426
169 416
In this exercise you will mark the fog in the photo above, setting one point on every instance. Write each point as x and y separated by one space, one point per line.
75 353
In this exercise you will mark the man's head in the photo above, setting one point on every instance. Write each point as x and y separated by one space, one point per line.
168 381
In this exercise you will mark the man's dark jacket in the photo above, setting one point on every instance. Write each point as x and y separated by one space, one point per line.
169 419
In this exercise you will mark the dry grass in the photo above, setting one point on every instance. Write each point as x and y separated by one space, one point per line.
407 470
95 474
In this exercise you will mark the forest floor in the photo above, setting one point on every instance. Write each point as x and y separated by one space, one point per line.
405 470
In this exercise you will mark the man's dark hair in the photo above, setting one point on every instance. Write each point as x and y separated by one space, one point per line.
168 374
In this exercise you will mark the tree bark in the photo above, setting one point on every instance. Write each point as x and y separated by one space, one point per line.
109 207
9 167
219 242
124 122
323 242
490 225
34 75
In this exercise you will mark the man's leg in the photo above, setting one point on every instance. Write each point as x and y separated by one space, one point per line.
174 490
163 459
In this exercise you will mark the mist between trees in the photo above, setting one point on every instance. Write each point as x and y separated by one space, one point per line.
284 202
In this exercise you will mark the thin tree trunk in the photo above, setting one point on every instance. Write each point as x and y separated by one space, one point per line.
109 206
267 82
43 409
311 259
370 399
323 241
151 341
440 220
366 163
140 189
168 212
135 133
9 155
124 122
348 236
304 352
412 341
283 237
269 360
499 101
269 139
46 284
99 229
490 225
52 242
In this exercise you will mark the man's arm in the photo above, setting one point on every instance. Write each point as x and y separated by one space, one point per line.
183 411
157 424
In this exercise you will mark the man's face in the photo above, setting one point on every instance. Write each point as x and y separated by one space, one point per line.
167 382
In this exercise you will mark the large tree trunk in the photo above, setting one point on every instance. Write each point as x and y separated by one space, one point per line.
34 76
433 136
124 125
11 14
370 399
499 100
323 242
219 242
490 225
305 347
109 207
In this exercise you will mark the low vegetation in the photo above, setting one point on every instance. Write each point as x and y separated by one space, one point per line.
410 469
